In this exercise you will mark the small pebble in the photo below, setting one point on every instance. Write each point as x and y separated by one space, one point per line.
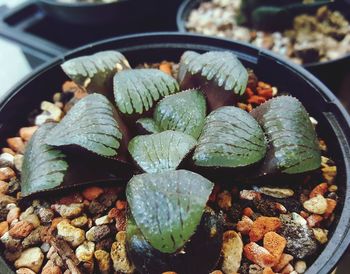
300 266
21 229
92 193
6 173
45 247
16 144
317 205
321 235
119 257
103 220
104 261
6 160
4 187
277 192
232 250
18 161
68 211
75 236
85 251
31 258
224 200
24 270
27 132
80 221
46 215
13 214
4 227
97 233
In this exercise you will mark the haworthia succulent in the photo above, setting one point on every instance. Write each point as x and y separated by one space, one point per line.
95 72
184 111
292 138
43 166
147 125
167 207
221 67
136 91
89 124
230 138
161 151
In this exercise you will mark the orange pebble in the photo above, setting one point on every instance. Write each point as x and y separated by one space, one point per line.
275 244
259 255
249 92
314 220
266 93
304 214
92 193
262 225
165 67
331 204
288 269
169 272
8 150
27 132
248 211
320 189
121 205
255 99
268 270
4 227
55 222
16 144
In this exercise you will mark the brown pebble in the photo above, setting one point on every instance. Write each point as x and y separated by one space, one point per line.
74 198
4 227
21 229
6 173
4 187
288 269
16 144
92 193
284 260
27 132
51 270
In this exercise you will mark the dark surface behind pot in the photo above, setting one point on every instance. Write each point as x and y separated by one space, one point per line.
334 122
331 73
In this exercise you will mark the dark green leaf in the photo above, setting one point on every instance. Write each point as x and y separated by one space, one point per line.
136 91
43 166
230 138
161 151
220 67
168 206
293 142
95 72
184 111
89 124
147 125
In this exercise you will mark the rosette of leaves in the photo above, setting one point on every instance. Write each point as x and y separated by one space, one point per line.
90 124
136 91
161 151
293 145
219 74
95 72
44 167
167 207
230 138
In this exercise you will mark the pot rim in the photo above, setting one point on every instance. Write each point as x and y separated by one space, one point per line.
340 239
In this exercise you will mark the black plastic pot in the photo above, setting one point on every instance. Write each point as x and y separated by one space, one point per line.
332 73
119 12
334 122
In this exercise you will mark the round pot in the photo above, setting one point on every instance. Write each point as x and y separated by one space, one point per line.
92 14
334 122
322 70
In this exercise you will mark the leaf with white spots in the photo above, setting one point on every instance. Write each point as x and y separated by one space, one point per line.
137 90
161 151
89 124
44 167
167 207
230 138
95 72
